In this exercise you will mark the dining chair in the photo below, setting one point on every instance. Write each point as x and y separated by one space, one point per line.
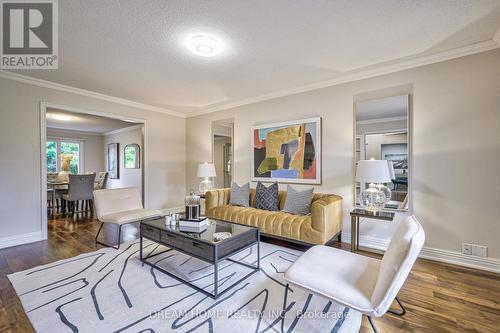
364 284
102 180
81 188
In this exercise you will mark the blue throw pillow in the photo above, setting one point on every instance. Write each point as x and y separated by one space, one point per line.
267 197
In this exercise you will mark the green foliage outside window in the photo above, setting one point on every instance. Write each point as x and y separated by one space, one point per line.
132 156
66 148
51 156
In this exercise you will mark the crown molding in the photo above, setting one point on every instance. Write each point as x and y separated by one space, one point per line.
87 93
484 46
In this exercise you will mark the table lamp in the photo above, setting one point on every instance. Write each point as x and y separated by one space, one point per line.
374 172
206 170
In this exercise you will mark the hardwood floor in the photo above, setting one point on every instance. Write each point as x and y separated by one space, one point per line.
438 297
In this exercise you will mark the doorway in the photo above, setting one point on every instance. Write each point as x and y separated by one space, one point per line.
107 148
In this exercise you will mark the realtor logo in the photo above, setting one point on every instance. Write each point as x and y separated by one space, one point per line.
29 34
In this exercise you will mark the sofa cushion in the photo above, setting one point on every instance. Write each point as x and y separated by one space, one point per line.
298 202
240 195
266 198
132 215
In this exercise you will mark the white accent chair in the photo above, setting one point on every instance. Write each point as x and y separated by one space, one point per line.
121 206
361 283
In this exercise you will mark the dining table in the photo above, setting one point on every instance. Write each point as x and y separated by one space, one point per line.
52 184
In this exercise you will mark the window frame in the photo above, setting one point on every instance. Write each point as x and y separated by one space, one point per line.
58 141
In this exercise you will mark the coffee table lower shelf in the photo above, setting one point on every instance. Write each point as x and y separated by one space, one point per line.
214 262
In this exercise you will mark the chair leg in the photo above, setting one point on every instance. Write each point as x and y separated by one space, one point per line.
107 245
398 313
91 206
372 324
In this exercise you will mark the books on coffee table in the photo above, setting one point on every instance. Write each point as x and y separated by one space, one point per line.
193 229
190 223
199 219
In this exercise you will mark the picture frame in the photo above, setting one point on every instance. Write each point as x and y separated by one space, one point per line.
114 161
287 152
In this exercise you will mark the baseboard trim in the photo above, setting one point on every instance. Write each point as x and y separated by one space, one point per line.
441 255
20 239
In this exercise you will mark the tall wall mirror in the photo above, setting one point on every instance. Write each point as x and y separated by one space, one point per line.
382 133
222 150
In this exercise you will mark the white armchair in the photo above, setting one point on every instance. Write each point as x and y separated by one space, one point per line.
121 206
364 284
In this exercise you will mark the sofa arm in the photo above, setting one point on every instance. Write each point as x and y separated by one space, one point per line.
326 216
215 198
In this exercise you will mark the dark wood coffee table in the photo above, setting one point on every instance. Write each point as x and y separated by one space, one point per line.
202 246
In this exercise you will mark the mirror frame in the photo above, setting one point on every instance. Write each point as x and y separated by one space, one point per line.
213 131
138 155
409 127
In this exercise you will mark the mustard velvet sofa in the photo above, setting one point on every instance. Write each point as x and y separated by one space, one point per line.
319 227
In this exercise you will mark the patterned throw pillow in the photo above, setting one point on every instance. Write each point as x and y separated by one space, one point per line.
240 195
267 197
298 202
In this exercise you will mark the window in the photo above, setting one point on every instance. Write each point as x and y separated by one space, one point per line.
59 148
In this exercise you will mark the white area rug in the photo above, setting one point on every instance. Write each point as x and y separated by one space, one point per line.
112 291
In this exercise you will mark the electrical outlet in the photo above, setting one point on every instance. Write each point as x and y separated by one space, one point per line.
474 250
480 251
467 249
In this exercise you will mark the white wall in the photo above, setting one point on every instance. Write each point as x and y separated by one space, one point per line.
92 146
456 145
128 177
21 208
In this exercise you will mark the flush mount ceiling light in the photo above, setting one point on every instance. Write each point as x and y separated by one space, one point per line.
204 45
60 117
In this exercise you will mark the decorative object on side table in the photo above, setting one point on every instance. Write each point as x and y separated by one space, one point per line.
375 172
356 214
206 170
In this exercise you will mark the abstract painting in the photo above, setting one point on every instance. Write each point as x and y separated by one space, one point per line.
287 152
113 161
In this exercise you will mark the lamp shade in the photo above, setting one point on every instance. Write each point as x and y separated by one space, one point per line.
392 173
373 171
206 170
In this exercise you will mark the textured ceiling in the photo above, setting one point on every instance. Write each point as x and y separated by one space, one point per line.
133 49
83 122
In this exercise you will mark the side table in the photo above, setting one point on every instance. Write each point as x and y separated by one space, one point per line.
356 214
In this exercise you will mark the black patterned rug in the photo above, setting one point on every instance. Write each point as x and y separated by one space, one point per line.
112 291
